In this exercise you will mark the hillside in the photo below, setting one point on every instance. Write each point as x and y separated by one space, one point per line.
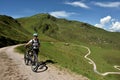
11 31
55 33
61 42
70 31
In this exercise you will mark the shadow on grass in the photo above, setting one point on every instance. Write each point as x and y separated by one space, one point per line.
49 61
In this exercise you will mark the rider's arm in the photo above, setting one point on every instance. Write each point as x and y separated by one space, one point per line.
27 44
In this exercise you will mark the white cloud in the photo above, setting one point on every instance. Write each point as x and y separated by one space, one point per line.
16 16
110 24
99 25
61 14
103 21
77 4
108 4
115 27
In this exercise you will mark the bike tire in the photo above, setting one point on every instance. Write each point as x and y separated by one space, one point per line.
26 60
42 67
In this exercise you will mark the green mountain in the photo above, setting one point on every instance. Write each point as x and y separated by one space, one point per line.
70 31
61 42
11 31
56 33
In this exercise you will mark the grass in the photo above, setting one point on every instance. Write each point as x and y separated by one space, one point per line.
72 57
105 56
54 33
11 31
70 31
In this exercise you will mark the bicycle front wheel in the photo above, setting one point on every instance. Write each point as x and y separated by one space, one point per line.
26 59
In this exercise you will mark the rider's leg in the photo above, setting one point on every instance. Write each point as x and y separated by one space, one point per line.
36 52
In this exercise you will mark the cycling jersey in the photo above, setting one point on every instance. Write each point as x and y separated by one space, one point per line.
35 43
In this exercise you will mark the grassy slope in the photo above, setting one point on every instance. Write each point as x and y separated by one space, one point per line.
70 31
11 32
72 58
104 45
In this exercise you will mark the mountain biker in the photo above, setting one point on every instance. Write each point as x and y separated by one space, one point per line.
34 43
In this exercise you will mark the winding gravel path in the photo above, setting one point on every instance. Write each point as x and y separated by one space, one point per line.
94 65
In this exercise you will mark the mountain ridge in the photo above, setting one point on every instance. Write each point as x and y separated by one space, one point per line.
68 30
61 41
59 29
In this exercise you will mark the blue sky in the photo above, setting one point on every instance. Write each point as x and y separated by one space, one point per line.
101 13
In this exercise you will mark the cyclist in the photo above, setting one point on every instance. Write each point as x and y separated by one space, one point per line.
34 43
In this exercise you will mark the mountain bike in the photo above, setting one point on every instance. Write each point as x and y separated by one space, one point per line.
30 58
27 56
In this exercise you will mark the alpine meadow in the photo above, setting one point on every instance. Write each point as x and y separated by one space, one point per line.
76 46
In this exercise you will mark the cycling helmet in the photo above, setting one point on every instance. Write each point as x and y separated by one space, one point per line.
35 34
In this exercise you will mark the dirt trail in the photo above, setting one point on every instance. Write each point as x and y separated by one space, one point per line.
95 67
12 67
